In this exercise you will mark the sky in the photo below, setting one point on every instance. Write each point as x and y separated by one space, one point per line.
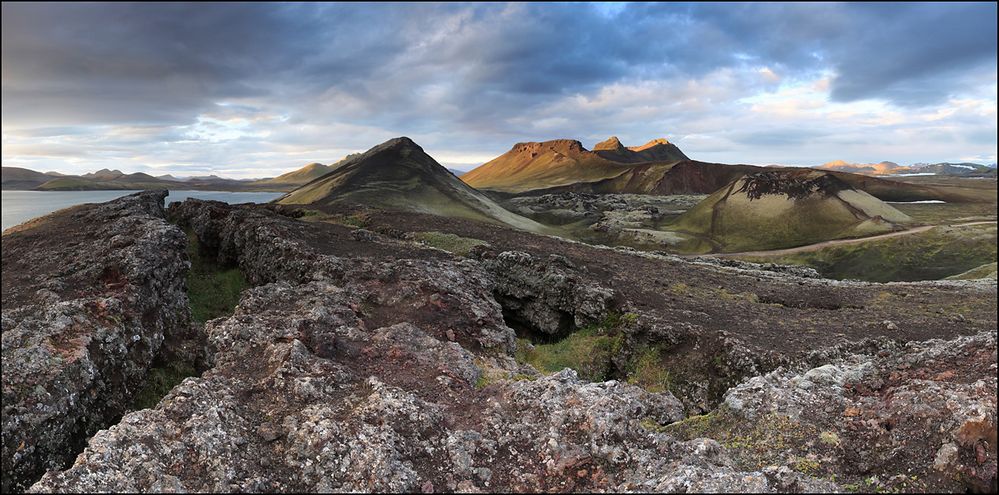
254 90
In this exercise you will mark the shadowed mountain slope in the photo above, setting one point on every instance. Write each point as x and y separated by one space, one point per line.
696 177
398 174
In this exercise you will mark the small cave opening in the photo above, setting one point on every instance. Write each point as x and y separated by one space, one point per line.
515 315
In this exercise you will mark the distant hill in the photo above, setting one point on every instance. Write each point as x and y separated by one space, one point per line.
17 178
881 168
533 165
398 174
956 169
104 175
892 168
785 208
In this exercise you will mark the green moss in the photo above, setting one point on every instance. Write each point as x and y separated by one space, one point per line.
159 382
680 289
451 243
483 381
806 465
829 438
771 439
652 425
694 426
213 290
985 271
589 351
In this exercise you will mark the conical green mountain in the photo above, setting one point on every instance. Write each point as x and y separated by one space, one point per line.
787 208
398 174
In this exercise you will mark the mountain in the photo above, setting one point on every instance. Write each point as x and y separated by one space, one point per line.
786 208
398 174
881 168
686 177
540 165
656 150
104 174
696 177
956 169
17 178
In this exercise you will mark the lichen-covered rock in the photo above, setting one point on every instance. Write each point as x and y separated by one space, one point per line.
89 295
304 397
923 409
256 242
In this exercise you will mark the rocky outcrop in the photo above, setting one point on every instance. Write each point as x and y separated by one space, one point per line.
89 296
924 409
544 296
264 252
304 397
361 361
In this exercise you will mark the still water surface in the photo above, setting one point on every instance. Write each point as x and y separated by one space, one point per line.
20 206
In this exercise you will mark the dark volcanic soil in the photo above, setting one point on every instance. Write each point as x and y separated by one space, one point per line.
768 311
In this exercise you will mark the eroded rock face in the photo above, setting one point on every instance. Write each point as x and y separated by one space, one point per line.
304 397
89 294
545 295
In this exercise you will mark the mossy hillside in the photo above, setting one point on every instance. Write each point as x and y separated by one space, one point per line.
932 255
213 290
944 213
733 221
985 271
399 175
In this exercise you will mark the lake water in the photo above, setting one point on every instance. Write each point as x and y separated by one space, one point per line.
21 206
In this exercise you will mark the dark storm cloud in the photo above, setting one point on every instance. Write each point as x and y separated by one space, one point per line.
913 53
478 75
142 62
160 62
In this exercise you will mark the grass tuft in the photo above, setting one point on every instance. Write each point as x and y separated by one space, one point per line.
213 291
159 382
451 243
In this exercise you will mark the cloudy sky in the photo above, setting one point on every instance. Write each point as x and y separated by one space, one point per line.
255 90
